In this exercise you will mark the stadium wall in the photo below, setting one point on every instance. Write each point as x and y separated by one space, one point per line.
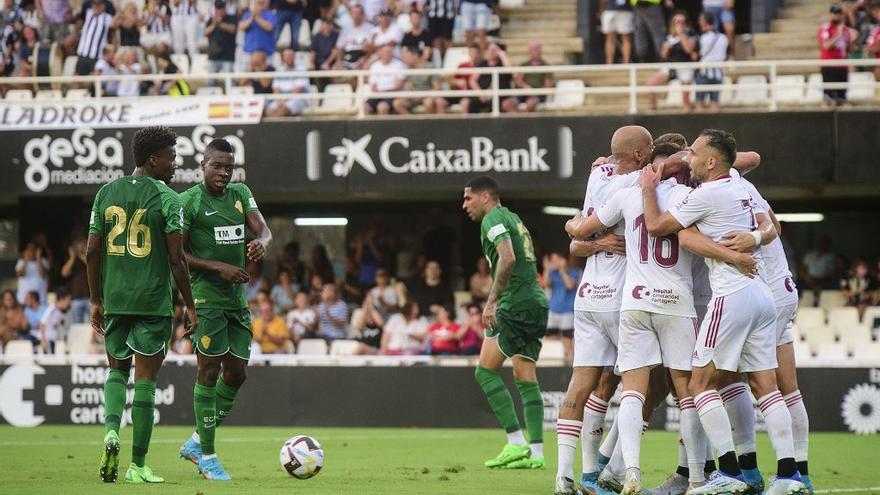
837 399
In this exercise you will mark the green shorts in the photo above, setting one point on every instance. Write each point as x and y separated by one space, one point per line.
125 335
224 330
519 332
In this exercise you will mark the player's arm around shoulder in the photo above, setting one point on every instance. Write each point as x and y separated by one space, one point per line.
658 223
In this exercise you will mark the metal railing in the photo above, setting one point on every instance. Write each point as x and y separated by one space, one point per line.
632 88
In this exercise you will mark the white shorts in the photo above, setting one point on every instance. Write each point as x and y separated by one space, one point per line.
683 75
618 21
784 317
739 333
475 16
595 338
560 321
650 339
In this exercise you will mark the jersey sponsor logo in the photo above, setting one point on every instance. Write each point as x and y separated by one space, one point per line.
639 291
656 295
209 213
584 289
229 234
789 284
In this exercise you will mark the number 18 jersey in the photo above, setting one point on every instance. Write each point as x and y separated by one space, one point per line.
659 275
131 215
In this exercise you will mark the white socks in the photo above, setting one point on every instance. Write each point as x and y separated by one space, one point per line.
593 425
537 449
567 433
693 438
800 425
629 418
714 419
741 413
778 421
516 438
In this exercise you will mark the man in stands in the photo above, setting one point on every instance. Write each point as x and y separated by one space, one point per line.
441 19
353 42
220 31
617 20
418 38
258 25
96 27
835 41
534 79
386 74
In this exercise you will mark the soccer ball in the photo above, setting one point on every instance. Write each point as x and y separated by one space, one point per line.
302 457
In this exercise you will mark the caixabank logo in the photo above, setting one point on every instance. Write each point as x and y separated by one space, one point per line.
33 395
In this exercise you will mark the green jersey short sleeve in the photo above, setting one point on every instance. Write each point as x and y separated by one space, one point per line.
523 289
132 215
216 226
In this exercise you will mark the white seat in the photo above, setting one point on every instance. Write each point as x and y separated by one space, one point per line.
829 299
552 349
790 88
510 4
312 347
454 57
305 36
872 314
832 351
241 90
809 317
343 347
802 352
751 90
209 91
49 94
814 89
19 95
726 95
842 320
817 337
569 93
808 299
69 68
181 61
338 98
868 352
861 86
60 348
675 93
79 339
19 348
855 337
200 64
77 94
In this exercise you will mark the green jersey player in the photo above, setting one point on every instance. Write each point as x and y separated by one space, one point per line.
214 217
134 249
515 319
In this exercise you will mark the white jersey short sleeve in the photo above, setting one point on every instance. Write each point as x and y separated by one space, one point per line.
604 273
717 208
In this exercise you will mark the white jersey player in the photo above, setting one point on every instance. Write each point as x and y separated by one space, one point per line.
739 334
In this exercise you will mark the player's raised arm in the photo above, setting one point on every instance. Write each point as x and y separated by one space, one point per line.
746 242
701 245
503 272
657 223
746 161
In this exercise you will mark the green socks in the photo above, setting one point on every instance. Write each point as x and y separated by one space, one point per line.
224 401
206 412
142 411
533 410
114 399
499 398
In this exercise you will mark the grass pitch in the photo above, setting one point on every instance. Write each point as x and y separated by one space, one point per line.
63 460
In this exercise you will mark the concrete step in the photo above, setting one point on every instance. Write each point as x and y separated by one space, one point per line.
796 25
813 13
519 24
567 44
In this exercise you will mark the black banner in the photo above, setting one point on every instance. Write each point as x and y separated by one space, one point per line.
846 399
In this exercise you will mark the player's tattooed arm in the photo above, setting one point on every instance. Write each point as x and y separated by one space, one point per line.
230 273
94 271
701 245
746 161
506 262
180 272
746 242
256 249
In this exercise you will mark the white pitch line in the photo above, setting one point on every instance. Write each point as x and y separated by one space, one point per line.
849 490
324 438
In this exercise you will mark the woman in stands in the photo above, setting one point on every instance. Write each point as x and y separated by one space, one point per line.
680 46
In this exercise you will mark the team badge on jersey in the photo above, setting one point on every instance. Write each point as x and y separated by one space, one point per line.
238 206
206 341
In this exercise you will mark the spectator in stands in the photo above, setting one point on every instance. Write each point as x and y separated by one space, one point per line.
29 41
97 23
383 296
851 12
55 322
835 42
386 74
561 280
860 287
461 80
713 48
12 320
288 259
618 19
258 25
73 272
181 344
289 13
405 332
818 270
386 33
430 290
333 313
283 293
723 18
175 86
289 86
481 281
370 339
302 320
534 80
419 82
56 19
127 64
680 46
353 42
315 289
418 38
107 67
444 334
33 313
259 63
472 338
130 23
322 50
475 16
495 57
157 37
220 30
32 270
649 27
352 293
441 21
270 331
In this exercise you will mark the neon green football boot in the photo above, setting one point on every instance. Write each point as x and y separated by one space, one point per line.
144 474
510 453
526 463
110 458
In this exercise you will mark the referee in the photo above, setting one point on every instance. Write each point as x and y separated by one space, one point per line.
93 36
